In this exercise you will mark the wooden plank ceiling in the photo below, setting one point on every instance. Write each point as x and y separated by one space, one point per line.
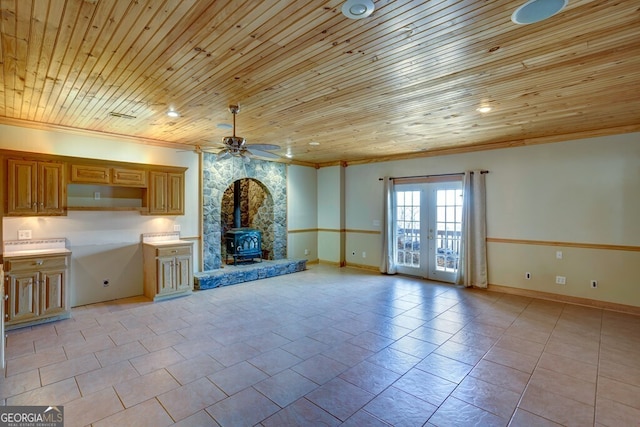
405 82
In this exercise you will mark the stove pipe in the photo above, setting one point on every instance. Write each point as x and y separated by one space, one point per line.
237 211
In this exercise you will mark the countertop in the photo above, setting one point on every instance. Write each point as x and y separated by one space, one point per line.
35 252
169 243
34 247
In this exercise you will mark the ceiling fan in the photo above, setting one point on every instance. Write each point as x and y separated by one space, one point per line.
236 146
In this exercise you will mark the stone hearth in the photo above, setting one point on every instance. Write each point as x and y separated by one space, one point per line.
234 274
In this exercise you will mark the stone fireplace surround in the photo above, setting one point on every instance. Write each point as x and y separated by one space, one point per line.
217 176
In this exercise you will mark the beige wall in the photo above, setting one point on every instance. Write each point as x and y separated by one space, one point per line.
302 212
576 193
330 213
104 245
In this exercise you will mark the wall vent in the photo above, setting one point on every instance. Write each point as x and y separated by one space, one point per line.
121 115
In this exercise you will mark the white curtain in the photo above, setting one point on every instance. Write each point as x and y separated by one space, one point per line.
472 266
387 264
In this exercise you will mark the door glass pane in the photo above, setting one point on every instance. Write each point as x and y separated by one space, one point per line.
448 229
408 228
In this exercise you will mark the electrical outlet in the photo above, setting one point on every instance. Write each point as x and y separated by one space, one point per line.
306 251
561 280
594 284
176 227
96 195
24 234
558 254
527 275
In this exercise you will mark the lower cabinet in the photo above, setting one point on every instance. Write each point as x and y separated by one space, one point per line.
168 269
35 290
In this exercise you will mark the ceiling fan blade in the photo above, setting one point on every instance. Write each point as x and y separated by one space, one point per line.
224 154
214 150
265 154
263 146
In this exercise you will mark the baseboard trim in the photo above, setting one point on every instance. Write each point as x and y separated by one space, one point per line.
606 305
363 267
333 263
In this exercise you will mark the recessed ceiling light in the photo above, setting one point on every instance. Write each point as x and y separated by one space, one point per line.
483 109
537 10
314 143
173 113
357 9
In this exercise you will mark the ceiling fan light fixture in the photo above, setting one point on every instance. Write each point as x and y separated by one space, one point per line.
236 146
357 9
537 10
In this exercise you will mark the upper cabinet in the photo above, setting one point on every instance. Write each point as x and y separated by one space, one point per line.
35 188
39 184
166 193
95 174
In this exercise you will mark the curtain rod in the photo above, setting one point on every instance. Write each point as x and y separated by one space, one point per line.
429 176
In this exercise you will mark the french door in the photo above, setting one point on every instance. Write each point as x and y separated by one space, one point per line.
428 229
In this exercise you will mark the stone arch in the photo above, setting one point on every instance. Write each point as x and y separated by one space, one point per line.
256 211
217 176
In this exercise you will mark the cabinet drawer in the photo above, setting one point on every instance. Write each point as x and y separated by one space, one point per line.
89 174
173 251
36 263
129 177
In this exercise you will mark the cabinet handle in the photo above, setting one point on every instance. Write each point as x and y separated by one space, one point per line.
174 251
39 262
42 204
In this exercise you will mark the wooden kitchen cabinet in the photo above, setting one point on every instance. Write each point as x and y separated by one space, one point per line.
97 174
168 269
35 188
36 289
43 184
166 193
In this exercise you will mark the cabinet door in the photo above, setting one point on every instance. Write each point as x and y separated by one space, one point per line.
166 276
23 296
157 192
175 193
22 182
183 272
51 188
52 297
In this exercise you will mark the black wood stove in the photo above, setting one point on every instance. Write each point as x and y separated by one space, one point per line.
244 244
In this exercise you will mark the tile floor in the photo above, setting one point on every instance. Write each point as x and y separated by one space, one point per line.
332 347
